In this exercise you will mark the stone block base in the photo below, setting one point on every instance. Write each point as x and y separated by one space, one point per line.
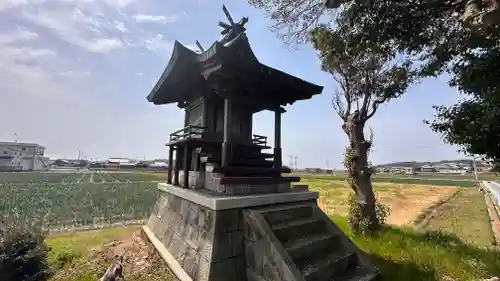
202 234
266 237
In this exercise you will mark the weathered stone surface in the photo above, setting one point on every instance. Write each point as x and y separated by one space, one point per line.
220 202
191 262
232 269
227 220
225 244
203 270
213 183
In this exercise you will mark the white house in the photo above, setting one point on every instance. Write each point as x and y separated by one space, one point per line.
17 156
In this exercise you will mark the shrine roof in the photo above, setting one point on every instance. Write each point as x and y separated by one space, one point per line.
188 73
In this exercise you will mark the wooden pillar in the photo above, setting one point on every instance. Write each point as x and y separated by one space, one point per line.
177 166
277 139
186 165
170 164
228 130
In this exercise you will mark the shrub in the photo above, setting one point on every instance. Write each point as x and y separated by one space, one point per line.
23 254
359 223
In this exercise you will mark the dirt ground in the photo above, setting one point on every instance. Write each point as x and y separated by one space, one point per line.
406 201
140 259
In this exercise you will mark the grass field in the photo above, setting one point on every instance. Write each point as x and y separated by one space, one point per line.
435 179
467 217
399 253
406 201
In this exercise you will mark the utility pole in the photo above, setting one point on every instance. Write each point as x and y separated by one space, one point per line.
291 161
295 158
474 166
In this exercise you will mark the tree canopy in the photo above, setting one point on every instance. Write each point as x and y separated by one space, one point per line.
431 32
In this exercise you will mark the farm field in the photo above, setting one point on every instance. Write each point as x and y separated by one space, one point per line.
74 177
466 216
419 179
406 201
65 200
74 199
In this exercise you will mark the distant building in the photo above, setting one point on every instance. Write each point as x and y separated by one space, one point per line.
403 170
158 165
427 169
121 163
17 156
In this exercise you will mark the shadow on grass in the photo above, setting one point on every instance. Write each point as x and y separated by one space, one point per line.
403 254
397 270
483 261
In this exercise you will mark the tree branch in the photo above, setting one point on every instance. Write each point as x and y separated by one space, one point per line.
375 105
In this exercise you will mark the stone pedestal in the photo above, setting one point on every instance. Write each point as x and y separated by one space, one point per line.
260 237
201 235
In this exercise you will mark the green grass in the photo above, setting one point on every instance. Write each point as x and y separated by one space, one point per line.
403 254
401 179
73 256
467 217
399 253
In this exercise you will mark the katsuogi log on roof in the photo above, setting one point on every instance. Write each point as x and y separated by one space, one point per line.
233 65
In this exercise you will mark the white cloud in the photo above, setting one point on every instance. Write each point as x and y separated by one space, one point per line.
118 4
56 103
27 69
158 43
73 25
157 19
121 26
19 35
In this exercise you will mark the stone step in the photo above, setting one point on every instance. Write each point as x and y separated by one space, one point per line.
284 214
313 245
358 274
323 268
297 229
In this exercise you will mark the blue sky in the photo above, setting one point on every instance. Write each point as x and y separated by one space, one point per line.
75 75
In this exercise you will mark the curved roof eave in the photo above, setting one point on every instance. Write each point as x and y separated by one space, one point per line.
180 54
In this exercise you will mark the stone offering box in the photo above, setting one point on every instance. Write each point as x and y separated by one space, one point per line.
226 213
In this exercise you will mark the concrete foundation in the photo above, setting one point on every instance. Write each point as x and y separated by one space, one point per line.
203 236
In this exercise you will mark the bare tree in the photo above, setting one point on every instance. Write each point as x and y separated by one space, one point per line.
367 77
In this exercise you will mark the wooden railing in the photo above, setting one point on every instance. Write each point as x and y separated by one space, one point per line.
189 132
259 140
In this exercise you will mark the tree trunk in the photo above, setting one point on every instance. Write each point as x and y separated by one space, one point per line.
359 171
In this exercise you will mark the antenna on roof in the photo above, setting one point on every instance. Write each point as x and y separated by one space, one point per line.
200 46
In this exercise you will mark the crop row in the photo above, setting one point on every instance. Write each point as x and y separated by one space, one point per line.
54 205
76 177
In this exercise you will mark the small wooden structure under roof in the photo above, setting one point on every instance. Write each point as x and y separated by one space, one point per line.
220 89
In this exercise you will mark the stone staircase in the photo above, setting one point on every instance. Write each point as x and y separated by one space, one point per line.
299 242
